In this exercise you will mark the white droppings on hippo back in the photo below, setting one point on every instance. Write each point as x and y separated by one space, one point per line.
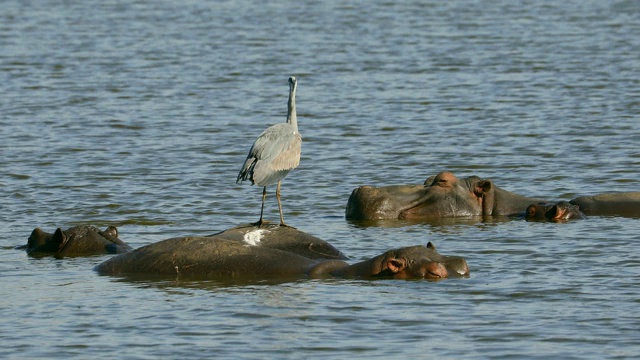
253 238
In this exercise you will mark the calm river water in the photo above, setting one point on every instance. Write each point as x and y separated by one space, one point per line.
139 114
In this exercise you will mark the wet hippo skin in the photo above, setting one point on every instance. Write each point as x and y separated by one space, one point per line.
284 238
624 204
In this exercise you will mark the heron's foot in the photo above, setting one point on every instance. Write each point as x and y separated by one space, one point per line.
258 223
285 225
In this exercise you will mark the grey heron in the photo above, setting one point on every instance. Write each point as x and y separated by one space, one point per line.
274 153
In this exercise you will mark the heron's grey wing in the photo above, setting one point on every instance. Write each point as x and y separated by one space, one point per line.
247 168
255 153
279 147
273 154
277 151
289 158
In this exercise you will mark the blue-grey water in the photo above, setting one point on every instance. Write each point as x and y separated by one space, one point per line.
139 114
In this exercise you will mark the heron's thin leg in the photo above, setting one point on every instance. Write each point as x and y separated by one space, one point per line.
264 197
280 204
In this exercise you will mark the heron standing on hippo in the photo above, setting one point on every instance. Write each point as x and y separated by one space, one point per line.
274 153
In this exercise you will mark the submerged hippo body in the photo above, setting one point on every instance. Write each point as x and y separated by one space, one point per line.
221 257
441 196
81 240
626 204
561 211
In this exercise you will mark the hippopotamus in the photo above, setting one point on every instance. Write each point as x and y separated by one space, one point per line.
80 240
626 204
255 256
561 211
443 195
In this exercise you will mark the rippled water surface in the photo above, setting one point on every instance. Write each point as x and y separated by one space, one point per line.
139 115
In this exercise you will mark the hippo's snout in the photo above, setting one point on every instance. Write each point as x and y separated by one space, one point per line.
435 270
458 266
360 203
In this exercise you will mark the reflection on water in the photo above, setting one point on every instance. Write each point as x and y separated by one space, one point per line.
171 284
139 115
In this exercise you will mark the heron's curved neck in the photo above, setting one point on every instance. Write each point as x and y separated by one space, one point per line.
292 118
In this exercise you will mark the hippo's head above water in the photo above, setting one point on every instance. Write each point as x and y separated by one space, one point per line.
561 211
76 241
413 262
443 195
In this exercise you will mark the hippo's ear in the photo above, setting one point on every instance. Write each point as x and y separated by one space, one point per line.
395 265
58 239
531 211
483 187
112 231
429 180
431 246
37 239
554 213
